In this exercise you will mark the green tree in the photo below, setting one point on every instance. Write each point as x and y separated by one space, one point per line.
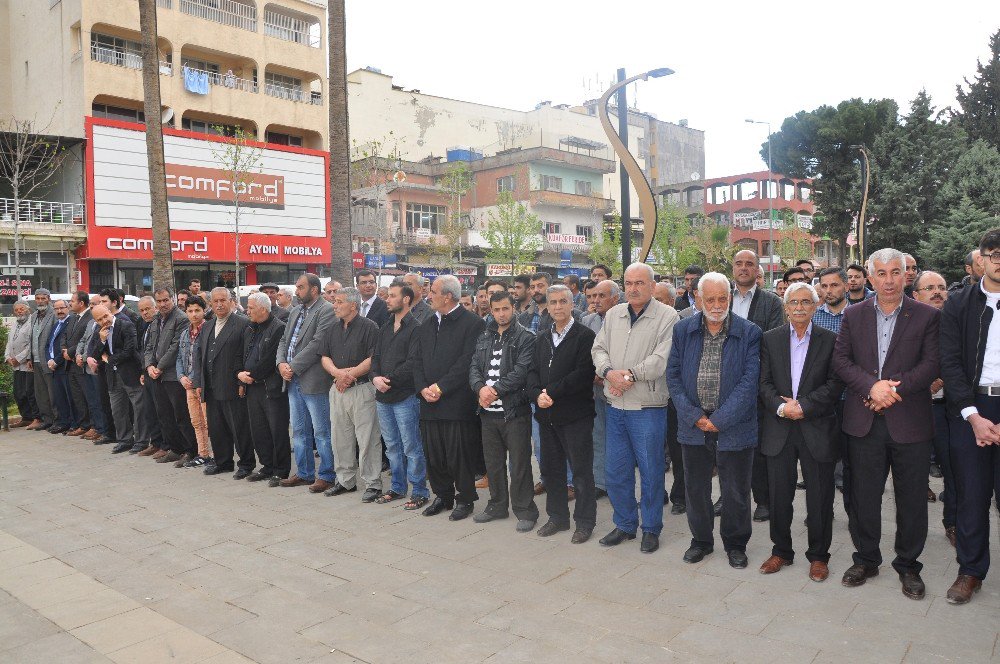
980 104
715 250
606 249
673 246
976 176
241 161
946 244
911 163
817 144
455 185
793 241
513 233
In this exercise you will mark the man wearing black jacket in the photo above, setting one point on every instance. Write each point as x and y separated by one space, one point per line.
448 423
498 376
266 402
395 402
76 327
116 346
561 383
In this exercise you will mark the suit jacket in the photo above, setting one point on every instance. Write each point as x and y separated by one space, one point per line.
19 344
913 359
58 343
222 356
41 328
421 311
379 312
259 360
123 357
766 310
74 335
162 344
819 392
313 378
280 313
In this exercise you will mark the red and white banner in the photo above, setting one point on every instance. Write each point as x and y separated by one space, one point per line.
560 238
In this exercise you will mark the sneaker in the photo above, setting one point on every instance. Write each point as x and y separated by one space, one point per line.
196 462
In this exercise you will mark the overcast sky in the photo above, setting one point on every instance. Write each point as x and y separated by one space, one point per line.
733 60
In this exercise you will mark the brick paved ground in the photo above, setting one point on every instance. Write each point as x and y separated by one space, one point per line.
120 559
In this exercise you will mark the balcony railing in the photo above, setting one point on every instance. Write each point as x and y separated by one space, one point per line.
288 92
111 56
226 12
41 212
227 80
290 29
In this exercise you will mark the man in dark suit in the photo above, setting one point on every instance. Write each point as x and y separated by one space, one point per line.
169 397
764 310
799 392
685 299
76 328
887 355
373 307
66 418
116 346
218 360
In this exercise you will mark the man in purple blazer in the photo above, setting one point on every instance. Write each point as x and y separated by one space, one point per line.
887 355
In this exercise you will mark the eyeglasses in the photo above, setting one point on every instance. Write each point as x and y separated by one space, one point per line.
934 288
993 257
795 304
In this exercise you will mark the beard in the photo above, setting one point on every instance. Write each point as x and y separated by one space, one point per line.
716 317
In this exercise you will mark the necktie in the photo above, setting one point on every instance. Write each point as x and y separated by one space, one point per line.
364 309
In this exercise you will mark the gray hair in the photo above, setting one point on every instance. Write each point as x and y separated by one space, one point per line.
44 291
287 290
558 288
799 285
21 303
417 275
887 255
260 299
670 289
351 295
715 278
220 288
147 297
450 285
615 291
644 266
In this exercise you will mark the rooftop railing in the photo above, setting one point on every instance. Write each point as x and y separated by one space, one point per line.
226 12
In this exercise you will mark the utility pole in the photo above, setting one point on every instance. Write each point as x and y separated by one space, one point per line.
626 203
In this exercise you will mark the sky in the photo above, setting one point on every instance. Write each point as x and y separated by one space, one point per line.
732 60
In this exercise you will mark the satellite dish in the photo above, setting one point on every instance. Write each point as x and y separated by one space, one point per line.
167 115
696 175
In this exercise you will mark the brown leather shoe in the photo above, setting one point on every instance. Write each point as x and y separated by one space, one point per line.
319 486
483 482
774 564
931 496
76 432
91 434
159 454
951 534
963 589
169 457
36 425
20 423
149 451
818 571
294 480
539 488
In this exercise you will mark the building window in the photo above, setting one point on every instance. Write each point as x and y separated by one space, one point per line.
211 128
506 183
421 216
586 231
283 87
118 113
552 228
584 187
551 183
203 65
284 139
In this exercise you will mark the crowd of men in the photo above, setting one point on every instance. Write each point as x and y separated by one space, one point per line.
459 389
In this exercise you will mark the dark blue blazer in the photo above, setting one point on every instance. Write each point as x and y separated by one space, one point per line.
736 416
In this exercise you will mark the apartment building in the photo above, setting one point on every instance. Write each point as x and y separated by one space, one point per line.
75 66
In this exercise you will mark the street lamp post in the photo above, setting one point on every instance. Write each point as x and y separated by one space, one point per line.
770 203
629 166
864 202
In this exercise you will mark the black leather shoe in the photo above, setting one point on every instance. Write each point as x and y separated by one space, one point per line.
737 559
650 543
678 508
551 528
338 489
856 575
696 554
138 447
213 469
600 493
461 511
274 482
241 474
616 537
370 495
57 429
581 535
913 585
437 506
121 447
717 507
762 513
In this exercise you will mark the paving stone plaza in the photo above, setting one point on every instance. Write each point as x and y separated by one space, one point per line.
120 559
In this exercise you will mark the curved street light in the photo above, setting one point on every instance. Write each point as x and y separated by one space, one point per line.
647 204
864 202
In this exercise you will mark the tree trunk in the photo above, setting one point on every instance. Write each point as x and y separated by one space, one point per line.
341 263
163 273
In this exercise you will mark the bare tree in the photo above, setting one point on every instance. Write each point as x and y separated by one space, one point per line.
29 159
341 263
241 161
163 270
374 168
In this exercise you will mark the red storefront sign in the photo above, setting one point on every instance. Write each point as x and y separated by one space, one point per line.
105 242
359 260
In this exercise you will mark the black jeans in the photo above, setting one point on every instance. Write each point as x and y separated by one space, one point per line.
782 473
942 455
758 481
735 470
269 418
170 400
453 449
677 489
24 395
872 456
574 442
501 439
228 428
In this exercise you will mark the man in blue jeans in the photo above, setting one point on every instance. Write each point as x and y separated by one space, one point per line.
396 400
308 385
630 354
